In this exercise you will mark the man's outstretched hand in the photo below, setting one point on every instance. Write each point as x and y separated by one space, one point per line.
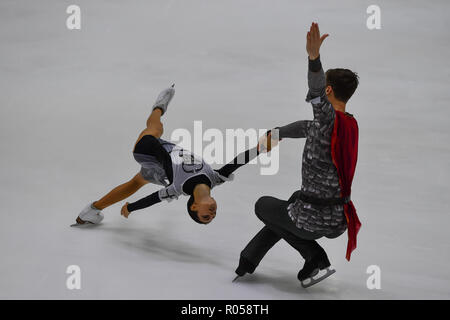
314 41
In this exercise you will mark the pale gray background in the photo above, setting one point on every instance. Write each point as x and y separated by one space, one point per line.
73 102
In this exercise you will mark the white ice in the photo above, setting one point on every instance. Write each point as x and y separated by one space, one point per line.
73 102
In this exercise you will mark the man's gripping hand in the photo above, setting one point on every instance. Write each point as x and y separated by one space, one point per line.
314 41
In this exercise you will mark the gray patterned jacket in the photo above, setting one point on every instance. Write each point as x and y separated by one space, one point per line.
319 174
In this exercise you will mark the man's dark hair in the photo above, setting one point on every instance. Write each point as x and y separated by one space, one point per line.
192 213
343 81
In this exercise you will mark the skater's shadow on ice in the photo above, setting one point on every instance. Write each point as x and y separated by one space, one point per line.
155 242
285 282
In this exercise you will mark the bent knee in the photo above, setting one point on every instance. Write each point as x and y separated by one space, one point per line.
260 205
156 129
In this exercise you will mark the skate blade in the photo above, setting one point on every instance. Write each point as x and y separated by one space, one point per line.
87 224
319 276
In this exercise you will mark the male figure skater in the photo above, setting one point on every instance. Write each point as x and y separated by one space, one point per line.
164 163
322 207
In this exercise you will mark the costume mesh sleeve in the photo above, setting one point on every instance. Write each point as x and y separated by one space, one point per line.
242 159
144 202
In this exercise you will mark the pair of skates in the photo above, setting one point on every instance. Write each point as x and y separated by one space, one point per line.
313 271
90 215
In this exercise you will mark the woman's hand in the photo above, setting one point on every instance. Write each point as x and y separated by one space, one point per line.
266 142
125 211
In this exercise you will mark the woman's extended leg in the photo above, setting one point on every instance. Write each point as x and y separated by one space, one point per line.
92 212
154 126
121 192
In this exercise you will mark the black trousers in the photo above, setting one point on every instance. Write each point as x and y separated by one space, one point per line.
278 225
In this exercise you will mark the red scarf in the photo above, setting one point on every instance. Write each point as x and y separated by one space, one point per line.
344 152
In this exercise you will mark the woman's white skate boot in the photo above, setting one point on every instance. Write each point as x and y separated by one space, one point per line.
89 215
164 98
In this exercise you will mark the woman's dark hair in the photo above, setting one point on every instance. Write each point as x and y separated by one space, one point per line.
192 213
343 81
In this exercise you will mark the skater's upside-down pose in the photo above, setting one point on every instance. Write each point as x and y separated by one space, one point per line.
166 164
322 207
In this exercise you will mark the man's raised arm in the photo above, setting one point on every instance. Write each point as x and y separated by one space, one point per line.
322 108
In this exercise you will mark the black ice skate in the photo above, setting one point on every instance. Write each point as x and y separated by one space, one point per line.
245 266
315 270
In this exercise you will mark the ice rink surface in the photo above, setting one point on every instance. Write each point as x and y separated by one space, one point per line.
73 102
